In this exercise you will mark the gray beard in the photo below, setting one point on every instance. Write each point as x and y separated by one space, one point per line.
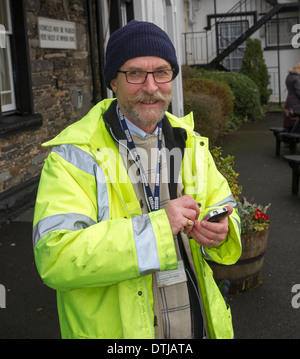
133 114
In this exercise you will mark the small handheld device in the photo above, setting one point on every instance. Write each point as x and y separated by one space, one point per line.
216 215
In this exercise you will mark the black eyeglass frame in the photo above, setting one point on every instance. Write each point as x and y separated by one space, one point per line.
147 73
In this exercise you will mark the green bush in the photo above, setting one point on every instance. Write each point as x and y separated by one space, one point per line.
189 72
208 123
225 166
246 94
212 88
254 66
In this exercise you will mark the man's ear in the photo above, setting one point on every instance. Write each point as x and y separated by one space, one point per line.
113 84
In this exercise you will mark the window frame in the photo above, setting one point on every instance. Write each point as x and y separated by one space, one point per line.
232 57
121 12
23 117
271 46
12 105
8 34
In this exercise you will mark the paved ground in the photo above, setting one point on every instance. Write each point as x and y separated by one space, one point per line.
266 310
262 312
30 305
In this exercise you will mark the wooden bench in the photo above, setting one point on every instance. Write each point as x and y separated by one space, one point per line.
294 162
277 131
291 138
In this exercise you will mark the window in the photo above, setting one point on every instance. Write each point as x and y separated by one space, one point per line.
121 12
7 94
228 33
16 105
285 31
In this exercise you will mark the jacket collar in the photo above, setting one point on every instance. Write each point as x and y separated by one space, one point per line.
174 136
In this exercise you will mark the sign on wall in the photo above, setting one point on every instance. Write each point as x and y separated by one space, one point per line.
57 34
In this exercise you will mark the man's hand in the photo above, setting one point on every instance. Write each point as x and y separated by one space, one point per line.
182 212
209 234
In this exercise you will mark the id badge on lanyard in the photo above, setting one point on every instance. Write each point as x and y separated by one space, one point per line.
153 200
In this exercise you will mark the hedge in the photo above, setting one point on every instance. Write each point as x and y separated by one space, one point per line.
243 93
246 93
208 123
212 88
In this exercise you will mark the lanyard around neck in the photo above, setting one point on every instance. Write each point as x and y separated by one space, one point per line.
153 200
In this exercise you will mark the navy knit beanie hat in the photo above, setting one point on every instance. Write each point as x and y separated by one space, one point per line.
136 39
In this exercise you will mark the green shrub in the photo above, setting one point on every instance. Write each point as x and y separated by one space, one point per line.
246 94
212 88
254 66
208 123
189 72
225 166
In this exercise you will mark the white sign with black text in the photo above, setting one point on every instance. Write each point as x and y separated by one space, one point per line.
57 34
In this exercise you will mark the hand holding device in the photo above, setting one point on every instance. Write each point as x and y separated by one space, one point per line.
216 215
209 233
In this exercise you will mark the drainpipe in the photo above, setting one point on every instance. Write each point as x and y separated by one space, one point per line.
278 60
217 28
101 51
191 13
95 98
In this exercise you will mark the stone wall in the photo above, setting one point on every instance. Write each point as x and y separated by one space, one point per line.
55 75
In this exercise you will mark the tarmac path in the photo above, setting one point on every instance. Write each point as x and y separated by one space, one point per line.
266 311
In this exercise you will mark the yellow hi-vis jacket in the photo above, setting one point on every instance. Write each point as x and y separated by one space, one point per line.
93 245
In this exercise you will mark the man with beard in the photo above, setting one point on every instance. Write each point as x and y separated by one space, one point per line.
118 225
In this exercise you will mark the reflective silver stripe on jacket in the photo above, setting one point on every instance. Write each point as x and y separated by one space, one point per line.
87 163
145 244
229 201
66 221
74 221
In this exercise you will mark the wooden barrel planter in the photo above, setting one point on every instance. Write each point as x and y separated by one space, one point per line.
246 273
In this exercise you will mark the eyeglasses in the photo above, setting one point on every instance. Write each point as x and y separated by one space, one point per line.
139 77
